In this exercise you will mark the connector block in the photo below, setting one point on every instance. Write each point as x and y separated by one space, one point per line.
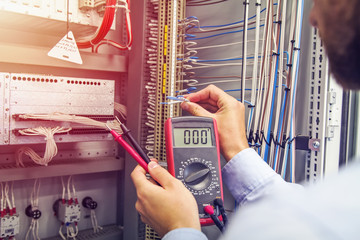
68 213
85 5
9 225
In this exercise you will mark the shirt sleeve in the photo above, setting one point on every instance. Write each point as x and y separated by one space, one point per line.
249 178
185 233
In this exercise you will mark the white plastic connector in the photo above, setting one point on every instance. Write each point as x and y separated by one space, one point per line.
69 213
9 226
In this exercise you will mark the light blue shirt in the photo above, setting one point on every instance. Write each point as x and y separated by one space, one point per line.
274 209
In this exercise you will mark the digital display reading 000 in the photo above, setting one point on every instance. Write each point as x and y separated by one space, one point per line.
192 137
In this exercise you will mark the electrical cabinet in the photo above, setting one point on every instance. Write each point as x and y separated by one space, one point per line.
55 148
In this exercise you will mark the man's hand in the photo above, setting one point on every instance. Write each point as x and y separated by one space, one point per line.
164 207
228 113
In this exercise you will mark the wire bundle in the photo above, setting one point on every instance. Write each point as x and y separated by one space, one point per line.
103 29
190 63
121 109
51 147
151 56
94 222
34 201
270 88
50 150
62 117
7 202
71 198
126 6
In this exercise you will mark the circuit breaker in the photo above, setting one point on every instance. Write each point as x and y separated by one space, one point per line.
67 212
9 225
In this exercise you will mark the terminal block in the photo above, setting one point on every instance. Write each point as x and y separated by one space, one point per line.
9 225
67 211
85 5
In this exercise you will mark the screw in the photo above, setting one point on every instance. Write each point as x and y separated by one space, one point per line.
316 144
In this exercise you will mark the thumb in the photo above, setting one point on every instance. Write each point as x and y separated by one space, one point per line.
160 174
195 109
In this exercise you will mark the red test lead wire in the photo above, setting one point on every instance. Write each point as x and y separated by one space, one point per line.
129 149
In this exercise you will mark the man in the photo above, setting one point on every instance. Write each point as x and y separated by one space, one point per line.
270 207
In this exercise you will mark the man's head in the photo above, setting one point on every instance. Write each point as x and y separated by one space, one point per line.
338 22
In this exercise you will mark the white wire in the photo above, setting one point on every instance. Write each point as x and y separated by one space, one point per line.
63 188
7 195
73 188
280 78
94 221
50 149
34 201
68 188
71 233
219 45
255 83
2 207
62 117
121 109
60 232
12 195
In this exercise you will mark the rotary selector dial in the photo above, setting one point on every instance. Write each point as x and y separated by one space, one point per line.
198 175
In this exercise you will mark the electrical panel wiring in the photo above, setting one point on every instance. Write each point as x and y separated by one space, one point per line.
163 50
264 71
23 221
40 95
53 118
81 12
163 47
9 218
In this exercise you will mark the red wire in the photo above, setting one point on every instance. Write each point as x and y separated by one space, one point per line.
104 28
128 31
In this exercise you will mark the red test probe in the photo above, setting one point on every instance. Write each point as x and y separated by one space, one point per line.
129 149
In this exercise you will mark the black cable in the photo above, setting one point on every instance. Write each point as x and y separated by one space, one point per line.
210 210
219 204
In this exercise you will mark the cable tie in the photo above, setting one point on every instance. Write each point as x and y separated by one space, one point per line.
258 4
287 89
289 65
292 41
296 49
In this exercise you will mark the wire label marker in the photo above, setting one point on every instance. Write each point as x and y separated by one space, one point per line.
66 49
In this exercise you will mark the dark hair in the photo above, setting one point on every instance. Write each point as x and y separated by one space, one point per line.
344 48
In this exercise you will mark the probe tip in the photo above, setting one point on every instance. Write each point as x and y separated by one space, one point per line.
108 126
118 119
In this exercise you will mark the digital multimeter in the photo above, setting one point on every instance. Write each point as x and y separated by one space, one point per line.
193 156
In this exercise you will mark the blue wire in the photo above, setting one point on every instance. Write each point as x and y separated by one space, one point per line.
247 102
236 90
282 112
287 59
272 104
250 117
295 85
215 35
225 25
228 24
223 60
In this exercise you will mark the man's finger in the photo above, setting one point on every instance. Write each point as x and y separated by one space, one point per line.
195 109
138 176
160 175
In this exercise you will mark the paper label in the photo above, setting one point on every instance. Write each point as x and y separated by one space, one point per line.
66 49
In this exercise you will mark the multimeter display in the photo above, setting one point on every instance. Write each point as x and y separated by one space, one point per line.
193 157
192 137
